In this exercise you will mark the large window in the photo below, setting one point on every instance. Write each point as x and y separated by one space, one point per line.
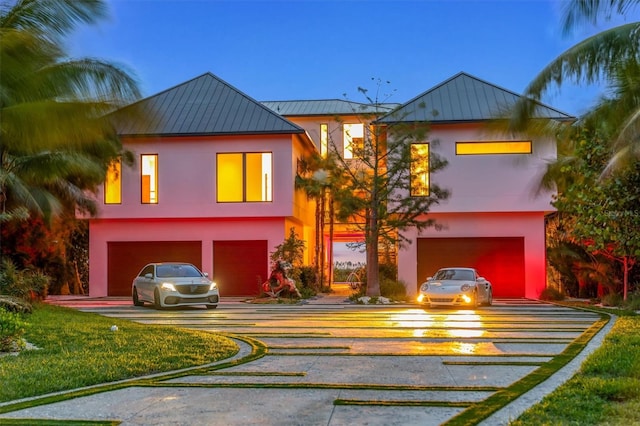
113 183
419 169
493 147
324 140
244 177
149 178
353 137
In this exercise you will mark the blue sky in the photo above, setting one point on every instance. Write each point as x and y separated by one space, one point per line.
305 49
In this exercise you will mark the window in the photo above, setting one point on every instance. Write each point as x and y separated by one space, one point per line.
244 177
353 137
419 169
149 179
113 183
493 147
324 140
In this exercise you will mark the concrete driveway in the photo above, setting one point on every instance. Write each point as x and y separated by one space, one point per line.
333 363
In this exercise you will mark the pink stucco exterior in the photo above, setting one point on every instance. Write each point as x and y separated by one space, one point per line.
187 209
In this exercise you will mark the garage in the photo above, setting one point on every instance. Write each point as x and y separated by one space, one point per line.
499 259
126 259
240 266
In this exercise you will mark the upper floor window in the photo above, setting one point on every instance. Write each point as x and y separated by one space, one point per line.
419 169
113 183
493 147
244 177
324 139
149 178
353 138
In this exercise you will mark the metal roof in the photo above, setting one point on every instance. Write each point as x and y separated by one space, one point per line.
205 105
465 98
326 107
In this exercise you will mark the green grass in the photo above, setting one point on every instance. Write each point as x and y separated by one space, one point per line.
79 349
606 390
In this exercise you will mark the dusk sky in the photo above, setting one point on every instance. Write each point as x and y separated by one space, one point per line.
305 49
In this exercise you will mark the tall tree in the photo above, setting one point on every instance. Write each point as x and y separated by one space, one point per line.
55 140
606 212
600 58
376 198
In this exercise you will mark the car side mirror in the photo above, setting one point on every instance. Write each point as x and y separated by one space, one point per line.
148 276
429 278
206 274
482 279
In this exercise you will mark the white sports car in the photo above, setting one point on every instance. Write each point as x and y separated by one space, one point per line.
456 287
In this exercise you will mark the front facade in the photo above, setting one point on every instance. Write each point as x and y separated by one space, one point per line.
213 184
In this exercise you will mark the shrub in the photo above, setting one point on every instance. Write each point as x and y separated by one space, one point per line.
26 285
633 301
551 293
11 330
612 299
393 289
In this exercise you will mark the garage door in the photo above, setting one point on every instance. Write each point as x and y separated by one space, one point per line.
126 259
499 260
239 266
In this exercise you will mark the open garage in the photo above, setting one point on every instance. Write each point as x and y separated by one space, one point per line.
499 259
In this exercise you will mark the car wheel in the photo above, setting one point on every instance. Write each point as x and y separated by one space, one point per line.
211 306
136 300
490 298
156 299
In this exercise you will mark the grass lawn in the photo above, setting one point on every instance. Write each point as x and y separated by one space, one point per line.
79 349
606 390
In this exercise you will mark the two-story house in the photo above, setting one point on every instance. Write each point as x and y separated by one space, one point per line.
495 217
214 185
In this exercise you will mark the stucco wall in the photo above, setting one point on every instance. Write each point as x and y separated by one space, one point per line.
527 225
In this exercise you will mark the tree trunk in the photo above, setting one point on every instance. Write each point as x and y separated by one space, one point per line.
373 272
331 215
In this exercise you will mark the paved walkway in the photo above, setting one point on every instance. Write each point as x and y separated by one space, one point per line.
333 363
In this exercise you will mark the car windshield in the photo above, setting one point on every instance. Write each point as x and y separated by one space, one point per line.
454 274
165 271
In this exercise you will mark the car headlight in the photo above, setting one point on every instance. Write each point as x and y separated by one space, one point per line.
168 286
424 287
465 287
420 298
213 286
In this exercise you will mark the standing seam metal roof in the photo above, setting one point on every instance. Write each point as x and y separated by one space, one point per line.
464 98
205 105
326 107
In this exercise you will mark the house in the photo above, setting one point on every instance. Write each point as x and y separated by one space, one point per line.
494 219
213 184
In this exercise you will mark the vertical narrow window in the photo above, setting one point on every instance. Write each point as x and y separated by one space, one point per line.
324 140
113 183
258 177
149 179
353 139
244 177
419 169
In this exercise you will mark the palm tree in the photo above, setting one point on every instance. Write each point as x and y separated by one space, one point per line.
606 56
55 140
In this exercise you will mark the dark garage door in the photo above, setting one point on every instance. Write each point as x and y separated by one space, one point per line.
126 259
239 266
499 260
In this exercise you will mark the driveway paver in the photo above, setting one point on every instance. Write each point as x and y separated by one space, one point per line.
339 364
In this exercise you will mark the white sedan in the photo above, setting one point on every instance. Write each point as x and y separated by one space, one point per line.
174 284
456 287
